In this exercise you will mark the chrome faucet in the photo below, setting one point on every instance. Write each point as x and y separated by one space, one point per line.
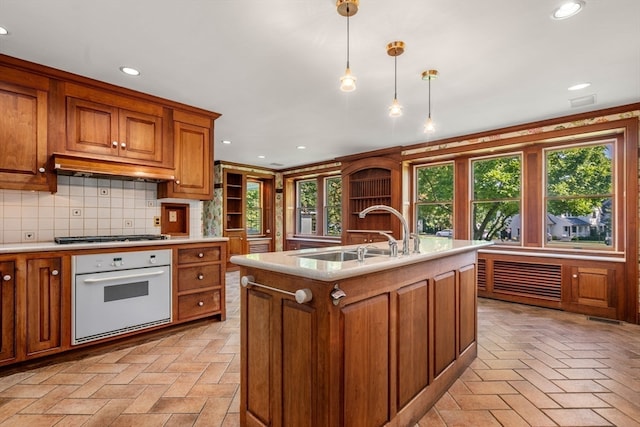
405 226
393 244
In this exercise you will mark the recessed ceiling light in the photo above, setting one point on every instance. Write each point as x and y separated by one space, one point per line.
226 141
3 31
301 147
568 9
130 71
261 157
579 86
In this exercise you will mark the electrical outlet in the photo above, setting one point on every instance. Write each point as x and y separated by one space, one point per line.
151 203
76 212
156 221
128 223
29 236
103 191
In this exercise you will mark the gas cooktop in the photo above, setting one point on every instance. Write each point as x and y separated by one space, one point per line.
115 238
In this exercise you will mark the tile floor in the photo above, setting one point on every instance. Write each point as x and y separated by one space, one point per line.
535 367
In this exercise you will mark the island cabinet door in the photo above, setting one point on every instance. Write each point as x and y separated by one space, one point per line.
365 367
444 321
279 360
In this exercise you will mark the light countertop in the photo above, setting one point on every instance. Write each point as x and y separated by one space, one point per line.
10 248
290 262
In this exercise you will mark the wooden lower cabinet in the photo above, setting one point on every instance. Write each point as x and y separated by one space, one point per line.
44 298
594 287
236 245
364 237
36 296
382 356
199 281
8 313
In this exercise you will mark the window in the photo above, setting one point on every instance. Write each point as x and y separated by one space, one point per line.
254 207
306 200
333 206
434 200
495 204
319 206
579 196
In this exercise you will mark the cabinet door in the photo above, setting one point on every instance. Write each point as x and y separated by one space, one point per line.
7 313
193 160
140 136
237 244
44 304
105 130
23 138
92 128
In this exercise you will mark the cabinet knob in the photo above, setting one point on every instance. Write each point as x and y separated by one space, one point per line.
177 182
200 255
114 144
6 277
41 170
200 276
200 303
54 273
123 145
575 276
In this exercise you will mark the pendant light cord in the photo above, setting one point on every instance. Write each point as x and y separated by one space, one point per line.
348 35
395 77
429 97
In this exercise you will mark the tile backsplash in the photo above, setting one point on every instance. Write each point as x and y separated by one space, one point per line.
86 207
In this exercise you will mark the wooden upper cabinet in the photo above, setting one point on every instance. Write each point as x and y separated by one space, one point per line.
111 127
193 154
23 131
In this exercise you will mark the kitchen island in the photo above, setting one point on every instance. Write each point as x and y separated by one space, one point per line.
329 340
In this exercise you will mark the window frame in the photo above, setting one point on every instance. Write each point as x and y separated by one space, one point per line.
417 203
260 207
321 207
615 196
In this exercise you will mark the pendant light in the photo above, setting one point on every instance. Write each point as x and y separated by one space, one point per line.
395 49
347 8
429 75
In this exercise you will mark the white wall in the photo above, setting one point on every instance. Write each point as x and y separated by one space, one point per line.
86 207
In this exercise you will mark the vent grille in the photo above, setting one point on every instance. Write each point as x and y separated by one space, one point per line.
525 279
120 331
482 274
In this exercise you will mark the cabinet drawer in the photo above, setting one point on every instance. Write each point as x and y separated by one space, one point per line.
200 276
199 304
205 254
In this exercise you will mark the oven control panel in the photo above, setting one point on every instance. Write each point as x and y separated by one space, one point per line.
113 261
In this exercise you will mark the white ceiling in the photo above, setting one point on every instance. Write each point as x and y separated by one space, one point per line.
272 68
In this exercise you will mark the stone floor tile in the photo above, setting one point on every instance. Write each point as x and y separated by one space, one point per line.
578 400
498 374
140 420
534 395
509 417
471 402
173 405
576 417
527 410
469 418
580 386
78 406
32 420
490 387
618 418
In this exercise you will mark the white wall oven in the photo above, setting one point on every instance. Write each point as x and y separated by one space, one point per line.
120 292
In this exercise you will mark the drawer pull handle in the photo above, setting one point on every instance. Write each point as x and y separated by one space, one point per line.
200 276
200 303
200 255
54 273
6 277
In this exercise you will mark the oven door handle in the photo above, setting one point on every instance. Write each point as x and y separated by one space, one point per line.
127 276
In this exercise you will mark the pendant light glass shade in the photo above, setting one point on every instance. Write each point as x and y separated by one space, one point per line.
395 49
429 75
347 82
395 110
347 8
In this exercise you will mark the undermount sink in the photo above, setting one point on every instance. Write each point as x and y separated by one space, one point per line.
336 256
378 251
